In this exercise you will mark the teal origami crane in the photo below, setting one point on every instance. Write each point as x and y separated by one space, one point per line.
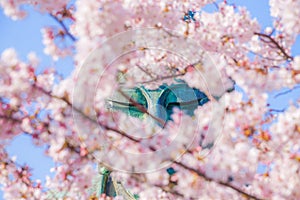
160 102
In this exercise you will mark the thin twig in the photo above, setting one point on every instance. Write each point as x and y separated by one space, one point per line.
286 92
144 70
264 57
277 110
64 27
273 41
141 108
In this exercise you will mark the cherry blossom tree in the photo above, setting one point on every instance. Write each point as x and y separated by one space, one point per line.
213 154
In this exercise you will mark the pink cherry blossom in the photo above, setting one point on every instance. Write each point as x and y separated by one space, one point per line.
235 146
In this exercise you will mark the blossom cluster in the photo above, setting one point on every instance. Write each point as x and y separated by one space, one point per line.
233 147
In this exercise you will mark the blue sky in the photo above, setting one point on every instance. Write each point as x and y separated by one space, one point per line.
25 36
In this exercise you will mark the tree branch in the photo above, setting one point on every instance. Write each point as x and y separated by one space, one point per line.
84 115
277 45
64 27
204 176
286 92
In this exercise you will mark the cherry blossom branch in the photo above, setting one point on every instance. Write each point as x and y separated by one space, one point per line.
15 121
277 45
67 32
120 132
264 57
84 115
204 176
18 170
145 71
